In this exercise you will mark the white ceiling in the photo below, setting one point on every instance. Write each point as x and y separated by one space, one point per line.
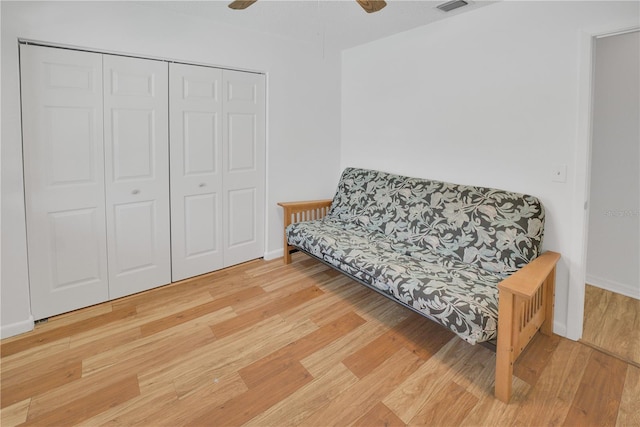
335 24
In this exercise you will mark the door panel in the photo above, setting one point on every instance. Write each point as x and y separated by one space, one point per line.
137 174
71 158
64 178
243 166
201 142
242 217
135 236
201 216
133 144
196 165
242 142
74 249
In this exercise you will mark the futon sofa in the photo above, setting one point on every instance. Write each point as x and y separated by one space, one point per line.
466 257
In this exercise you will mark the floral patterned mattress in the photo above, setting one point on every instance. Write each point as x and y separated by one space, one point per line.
437 247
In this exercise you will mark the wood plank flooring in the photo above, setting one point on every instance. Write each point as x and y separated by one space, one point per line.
612 323
267 344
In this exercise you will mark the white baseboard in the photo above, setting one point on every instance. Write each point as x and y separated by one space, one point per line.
278 253
613 286
17 328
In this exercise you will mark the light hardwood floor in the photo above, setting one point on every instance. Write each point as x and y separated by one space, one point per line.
264 344
612 323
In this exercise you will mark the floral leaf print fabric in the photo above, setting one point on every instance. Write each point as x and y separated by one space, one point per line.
437 247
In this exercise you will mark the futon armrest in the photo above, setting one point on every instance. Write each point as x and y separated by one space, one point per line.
305 205
301 211
526 281
525 305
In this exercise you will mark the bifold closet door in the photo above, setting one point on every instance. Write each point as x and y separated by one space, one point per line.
136 173
100 222
195 95
64 178
243 153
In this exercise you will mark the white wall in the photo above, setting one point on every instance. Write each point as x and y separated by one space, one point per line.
613 257
303 107
490 97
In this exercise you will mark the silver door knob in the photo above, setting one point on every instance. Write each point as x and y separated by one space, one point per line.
136 191
202 184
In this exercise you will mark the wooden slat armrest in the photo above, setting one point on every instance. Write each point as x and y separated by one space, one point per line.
301 211
525 305
526 281
308 204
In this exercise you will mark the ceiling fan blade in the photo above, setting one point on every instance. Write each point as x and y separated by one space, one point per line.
371 6
241 4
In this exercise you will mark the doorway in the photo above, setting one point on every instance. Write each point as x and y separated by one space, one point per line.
612 294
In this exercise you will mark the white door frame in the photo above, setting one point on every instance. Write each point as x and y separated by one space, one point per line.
580 207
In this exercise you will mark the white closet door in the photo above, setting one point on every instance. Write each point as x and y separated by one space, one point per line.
243 166
64 178
137 173
196 169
